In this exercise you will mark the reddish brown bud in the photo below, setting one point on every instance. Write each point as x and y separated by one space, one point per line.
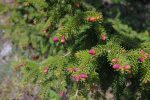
103 37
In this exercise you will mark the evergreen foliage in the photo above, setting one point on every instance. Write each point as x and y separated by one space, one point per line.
70 49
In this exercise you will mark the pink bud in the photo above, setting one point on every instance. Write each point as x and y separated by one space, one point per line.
92 51
103 37
55 39
76 78
116 66
68 69
115 60
63 95
75 69
127 67
142 52
62 39
92 19
84 76
141 59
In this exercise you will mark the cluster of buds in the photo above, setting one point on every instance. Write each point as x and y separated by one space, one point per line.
71 70
143 57
79 77
76 78
56 39
92 51
93 19
117 66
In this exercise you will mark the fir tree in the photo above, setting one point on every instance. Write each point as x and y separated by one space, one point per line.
68 49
